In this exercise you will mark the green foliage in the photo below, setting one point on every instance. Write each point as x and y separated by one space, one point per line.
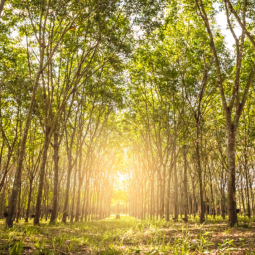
16 249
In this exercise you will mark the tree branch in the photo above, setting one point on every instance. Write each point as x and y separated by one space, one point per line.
200 6
240 23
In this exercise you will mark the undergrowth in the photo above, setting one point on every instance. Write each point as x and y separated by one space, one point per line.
129 236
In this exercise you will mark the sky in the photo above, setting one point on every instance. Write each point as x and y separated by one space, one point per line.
222 23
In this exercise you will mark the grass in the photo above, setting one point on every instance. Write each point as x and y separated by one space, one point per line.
129 236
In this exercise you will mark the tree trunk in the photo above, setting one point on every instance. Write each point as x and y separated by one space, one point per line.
157 197
223 207
252 197
190 205
74 185
77 213
41 179
1 6
67 189
2 199
54 212
185 180
29 199
146 205
87 202
79 188
84 202
247 189
202 214
212 197
242 196
162 191
18 209
194 199
176 191
168 194
175 173
231 178
152 197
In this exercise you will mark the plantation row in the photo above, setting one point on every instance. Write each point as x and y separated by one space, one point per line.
192 100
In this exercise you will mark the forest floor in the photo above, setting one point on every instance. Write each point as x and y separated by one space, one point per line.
130 236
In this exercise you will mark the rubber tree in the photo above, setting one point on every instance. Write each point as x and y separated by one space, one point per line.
233 107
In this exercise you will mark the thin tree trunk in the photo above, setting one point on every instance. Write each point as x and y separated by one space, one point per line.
242 195
67 188
84 202
157 197
223 207
252 197
202 215
87 203
41 179
162 191
2 199
1 6
152 198
74 185
145 200
212 197
185 180
247 186
29 199
231 178
168 194
194 199
54 212
79 188
18 209
175 173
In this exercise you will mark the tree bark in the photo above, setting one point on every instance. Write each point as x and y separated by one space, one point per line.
54 212
185 180
242 195
87 201
72 204
202 214
247 184
79 187
212 196
29 199
41 178
175 173
18 209
168 194
2 199
1 6
84 202
252 197
152 198
70 167
231 178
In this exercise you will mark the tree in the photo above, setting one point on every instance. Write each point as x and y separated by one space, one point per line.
233 107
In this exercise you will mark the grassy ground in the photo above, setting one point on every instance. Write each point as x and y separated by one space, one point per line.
129 236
